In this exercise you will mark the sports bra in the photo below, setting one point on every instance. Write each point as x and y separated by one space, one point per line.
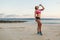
38 11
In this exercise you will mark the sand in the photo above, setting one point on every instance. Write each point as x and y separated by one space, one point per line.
27 31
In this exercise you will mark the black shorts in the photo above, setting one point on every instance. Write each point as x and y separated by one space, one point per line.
37 17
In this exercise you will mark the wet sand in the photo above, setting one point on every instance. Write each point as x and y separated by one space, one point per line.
27 31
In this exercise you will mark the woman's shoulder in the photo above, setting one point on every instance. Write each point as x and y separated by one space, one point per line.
38 10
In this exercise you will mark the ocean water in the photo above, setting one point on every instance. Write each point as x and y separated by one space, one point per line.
43 20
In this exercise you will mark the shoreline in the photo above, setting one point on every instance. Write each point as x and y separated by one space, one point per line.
12 21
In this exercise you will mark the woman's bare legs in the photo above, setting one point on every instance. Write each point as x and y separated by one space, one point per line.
39 26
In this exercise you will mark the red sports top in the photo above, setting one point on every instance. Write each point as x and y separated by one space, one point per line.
38 11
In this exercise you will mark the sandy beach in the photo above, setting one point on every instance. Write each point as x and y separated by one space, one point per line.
27 31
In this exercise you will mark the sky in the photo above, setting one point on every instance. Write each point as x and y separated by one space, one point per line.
25 8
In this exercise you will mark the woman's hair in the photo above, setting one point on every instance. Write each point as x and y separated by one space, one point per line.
36 7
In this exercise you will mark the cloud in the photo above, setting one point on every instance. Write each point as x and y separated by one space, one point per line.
12 16
2 15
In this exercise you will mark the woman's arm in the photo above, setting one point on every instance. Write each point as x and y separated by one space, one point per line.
42 7
34 14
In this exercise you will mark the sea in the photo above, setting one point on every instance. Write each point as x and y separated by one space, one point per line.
43 20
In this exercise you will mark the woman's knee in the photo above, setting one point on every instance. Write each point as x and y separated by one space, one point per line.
39 23
38 20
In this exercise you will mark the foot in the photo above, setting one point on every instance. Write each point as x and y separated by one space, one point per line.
40 33
37 32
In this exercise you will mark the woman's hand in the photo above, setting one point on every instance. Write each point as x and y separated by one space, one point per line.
40 4
42 7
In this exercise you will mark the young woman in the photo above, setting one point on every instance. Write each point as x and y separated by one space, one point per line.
37 18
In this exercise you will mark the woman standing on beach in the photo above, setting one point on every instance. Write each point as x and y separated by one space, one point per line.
37 18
